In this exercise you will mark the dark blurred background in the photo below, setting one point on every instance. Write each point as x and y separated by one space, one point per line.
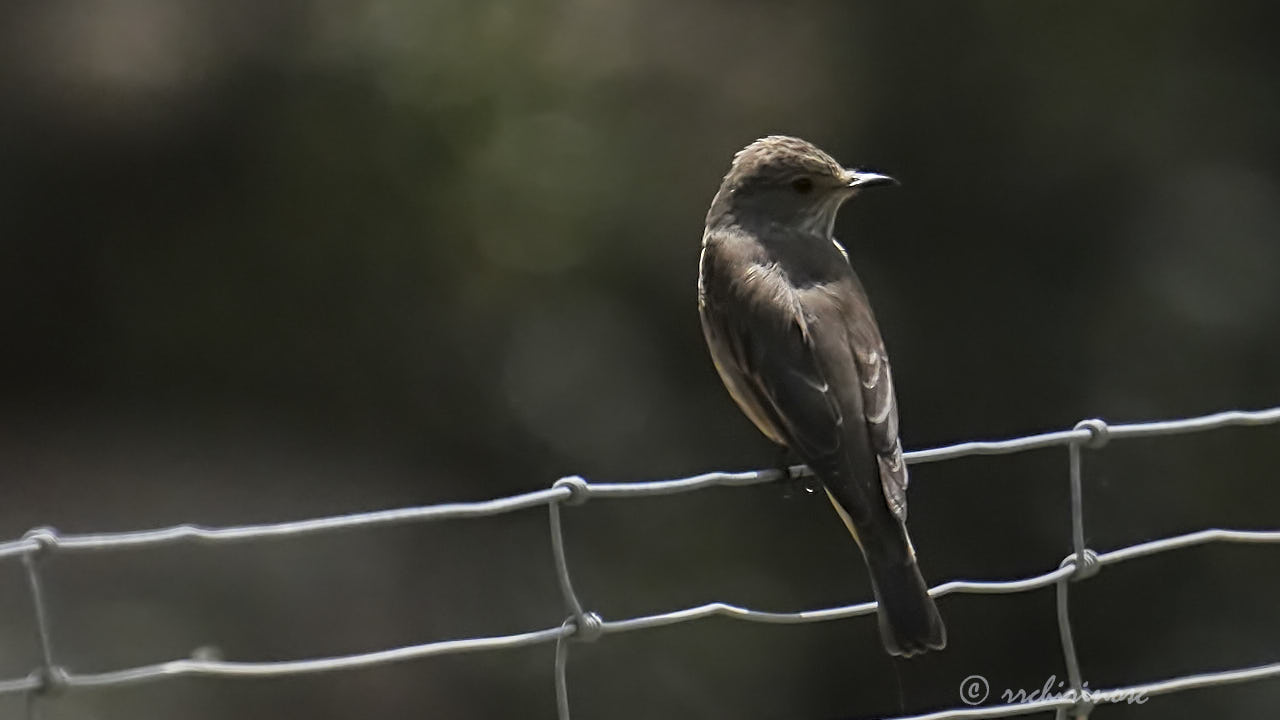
267 261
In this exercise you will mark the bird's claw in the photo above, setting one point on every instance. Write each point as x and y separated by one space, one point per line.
792 482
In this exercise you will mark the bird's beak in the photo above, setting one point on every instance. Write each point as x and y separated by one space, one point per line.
854 179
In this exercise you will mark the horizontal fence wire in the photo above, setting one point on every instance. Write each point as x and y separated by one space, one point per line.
581 625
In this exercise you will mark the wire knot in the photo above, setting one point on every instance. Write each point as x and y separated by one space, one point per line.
45 538
587 627
579 490
1099 432
1090 567
49 680
1084 705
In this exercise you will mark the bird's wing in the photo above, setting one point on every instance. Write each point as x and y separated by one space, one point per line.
800 363
881 411
780 361
879 405
766 353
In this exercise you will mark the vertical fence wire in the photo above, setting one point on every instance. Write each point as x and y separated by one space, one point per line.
1077 561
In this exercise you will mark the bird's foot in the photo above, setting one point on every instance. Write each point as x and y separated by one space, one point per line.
792 482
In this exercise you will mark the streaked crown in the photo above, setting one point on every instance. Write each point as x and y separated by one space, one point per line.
779 158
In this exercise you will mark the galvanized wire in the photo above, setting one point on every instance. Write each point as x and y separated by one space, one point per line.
582 625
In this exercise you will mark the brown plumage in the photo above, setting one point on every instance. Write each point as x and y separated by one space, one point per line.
794 339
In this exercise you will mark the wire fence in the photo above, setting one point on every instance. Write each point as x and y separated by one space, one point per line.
581 625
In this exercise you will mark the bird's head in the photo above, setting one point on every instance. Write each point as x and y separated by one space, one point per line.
786 180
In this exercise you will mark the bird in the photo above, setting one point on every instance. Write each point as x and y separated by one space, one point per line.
793 337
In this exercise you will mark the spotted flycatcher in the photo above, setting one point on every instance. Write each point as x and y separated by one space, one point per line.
792 334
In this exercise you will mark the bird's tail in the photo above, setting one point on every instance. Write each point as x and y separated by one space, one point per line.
909 619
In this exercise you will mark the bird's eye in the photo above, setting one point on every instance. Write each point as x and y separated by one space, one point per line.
802 185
